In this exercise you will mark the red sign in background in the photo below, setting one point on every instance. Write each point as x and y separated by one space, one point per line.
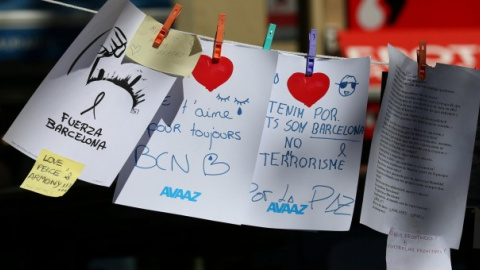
371 15
451 46
460 47
450 28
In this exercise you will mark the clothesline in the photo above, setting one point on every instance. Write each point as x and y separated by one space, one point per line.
212 39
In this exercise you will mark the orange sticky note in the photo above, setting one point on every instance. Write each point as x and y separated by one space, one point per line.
52 175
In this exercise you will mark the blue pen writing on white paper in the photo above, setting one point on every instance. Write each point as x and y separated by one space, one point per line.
322 197
166 161
162 160
210 133
207 140
309 157
213 166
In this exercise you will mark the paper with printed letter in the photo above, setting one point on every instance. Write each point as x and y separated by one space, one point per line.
308 164
201 163
91 107
421 155
52 175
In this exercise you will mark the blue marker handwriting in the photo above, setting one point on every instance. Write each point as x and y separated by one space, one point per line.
208 131
162 128
322 197
289 160
259 195
323 126
285 195
163 161
276 79
215 134
212 165
207 112
280 108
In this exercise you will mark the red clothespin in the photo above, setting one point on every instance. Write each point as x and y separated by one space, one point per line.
217 49
166 26
422 60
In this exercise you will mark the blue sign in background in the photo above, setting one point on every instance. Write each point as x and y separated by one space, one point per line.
45 30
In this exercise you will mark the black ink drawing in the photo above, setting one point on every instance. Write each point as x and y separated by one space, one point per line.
115 47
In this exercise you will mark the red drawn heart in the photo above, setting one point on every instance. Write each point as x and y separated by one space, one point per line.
308 89
212 75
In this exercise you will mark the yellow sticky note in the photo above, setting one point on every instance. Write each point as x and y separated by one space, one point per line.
177 55
52 175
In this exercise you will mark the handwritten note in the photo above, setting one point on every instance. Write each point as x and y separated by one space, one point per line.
92 107
177 55
308 164
52 175
201 164
421 154
416 251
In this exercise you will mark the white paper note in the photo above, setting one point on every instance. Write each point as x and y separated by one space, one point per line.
421 154
309 160
91 108
417 251
201 164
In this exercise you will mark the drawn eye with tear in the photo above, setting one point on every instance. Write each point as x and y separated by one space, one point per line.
236 101
240 103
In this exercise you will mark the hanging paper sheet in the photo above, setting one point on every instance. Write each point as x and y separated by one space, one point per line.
421 154
92 108
309 160
201 164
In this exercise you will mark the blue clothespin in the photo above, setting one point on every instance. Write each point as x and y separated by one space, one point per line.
311 52
269 37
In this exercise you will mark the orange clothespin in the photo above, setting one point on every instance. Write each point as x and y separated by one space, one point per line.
217 49
422 60
166 26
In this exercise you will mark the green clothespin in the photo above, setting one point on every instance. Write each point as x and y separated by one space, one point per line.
269 37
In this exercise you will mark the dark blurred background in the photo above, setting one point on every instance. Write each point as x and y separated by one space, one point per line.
85 230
